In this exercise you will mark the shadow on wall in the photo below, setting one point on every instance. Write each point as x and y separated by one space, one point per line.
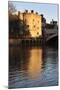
17 27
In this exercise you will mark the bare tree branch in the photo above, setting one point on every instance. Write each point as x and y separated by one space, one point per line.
11 7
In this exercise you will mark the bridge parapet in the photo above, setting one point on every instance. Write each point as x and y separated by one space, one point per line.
51 31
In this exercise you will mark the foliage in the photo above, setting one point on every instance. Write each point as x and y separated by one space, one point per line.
17 28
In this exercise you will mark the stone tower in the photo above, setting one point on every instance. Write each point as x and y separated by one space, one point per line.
33 21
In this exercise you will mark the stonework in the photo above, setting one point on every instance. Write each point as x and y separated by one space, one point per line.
33 21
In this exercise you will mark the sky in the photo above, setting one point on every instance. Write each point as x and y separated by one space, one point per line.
50 11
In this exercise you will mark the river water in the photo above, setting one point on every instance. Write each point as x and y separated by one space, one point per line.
33 66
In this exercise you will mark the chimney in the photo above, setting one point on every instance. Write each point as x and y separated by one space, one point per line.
26 11
42 15
32 11
18 13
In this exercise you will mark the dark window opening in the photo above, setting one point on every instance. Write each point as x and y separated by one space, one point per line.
37 33
33 19
27 25
34 26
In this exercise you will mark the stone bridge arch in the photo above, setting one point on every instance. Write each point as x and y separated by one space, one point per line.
51 37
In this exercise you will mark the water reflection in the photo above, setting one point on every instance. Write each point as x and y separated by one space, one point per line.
30 67
35 62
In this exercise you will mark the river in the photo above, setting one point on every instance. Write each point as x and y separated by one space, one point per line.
33 66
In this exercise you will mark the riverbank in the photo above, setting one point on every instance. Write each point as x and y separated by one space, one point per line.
33 67
25 42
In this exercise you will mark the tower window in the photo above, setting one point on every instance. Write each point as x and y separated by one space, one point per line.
37 33
33 19
34 26
27 25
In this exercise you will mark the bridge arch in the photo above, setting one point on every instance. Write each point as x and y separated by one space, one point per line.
51 37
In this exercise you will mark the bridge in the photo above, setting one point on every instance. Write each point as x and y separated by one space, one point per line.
50 34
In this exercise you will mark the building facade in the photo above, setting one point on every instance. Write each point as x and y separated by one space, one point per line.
33 21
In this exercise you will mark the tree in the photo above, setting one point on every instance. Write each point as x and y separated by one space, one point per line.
17 27
11 7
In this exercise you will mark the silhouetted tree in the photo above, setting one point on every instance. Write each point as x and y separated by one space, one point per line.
17 28
11 7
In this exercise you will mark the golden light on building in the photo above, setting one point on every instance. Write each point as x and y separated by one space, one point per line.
33 21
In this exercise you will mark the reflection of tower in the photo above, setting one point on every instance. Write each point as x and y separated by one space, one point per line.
35 63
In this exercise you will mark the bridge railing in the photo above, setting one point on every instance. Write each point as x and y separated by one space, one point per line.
51 31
